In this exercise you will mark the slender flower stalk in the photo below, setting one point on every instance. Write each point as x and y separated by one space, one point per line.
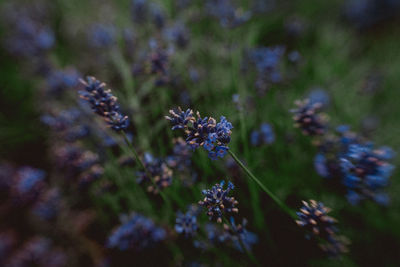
105 104
138 160
263 187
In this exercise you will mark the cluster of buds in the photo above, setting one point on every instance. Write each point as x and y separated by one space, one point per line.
217 202
104 103
206 132
314 218
308 119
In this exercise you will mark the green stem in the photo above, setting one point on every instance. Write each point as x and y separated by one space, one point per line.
138 160
263 187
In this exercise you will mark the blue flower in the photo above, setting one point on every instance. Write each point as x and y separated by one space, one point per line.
30 181
363 170
208 145
205 132
186 223
366 172
180 119
308 119
314 218
267 61
136 232
104 103
265 135
217 202
159 171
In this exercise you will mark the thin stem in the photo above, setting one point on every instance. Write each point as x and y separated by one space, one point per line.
263 187
138 160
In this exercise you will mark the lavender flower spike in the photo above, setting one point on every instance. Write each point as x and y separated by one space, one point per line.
206 132
104 103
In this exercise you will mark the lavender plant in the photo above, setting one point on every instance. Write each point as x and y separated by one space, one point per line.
104 103
308 119
159 171
218 203
214 137
135 232
186 223
203 132
314 218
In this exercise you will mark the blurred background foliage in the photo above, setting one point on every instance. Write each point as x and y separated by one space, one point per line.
352 55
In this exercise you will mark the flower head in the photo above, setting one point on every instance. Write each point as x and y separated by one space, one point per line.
308 119
354 163
159 171
29 184
268 61
314 218
206 132
366 172
217 202
135 232
104 103
265 135
186 223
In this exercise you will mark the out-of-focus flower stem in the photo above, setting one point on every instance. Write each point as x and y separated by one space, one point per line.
263 187
140 162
